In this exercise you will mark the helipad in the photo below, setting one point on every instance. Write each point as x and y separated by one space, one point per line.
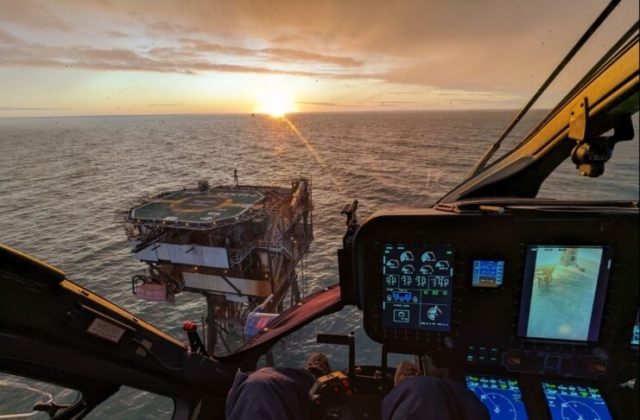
199 207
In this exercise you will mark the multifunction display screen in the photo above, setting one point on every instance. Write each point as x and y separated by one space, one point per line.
487 273
563 292
417 287
502 397
574 402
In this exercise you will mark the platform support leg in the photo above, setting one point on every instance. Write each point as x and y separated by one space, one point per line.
212 331
295 289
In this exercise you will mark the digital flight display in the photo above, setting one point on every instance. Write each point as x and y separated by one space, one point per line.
564 288
502 397
574 402
417 287
487 273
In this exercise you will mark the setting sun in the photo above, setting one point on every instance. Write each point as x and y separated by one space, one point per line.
275 102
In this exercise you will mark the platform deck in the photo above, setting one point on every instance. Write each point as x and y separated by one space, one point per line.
187 206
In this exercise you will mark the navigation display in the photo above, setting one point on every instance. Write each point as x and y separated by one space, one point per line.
487 273
563 294
502 397
573 402
417 287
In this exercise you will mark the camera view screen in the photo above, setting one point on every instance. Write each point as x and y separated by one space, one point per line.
502 397
417 285
573 402
487 273
563 292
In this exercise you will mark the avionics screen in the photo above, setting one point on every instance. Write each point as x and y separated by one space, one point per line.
487 273
574 402
417 287
563 292
635 334
502 397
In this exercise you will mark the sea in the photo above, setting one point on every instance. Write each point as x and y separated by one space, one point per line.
62 180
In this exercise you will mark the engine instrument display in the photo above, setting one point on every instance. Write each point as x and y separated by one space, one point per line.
417 287
501 396
574 402
487 273
564 289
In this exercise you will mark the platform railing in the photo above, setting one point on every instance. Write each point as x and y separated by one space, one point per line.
241 254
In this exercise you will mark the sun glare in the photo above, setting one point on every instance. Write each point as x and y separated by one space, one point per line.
274 102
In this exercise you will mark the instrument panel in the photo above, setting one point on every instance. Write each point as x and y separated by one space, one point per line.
547 295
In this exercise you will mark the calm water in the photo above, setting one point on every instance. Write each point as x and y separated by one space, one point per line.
62 179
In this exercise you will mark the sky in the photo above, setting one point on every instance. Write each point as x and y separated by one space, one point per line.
139 57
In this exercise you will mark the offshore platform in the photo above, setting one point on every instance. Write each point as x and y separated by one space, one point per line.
240 246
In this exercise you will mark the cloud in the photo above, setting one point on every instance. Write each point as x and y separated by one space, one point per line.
8 108
15 52
116 34
187 56
7 39
329 104
271 54
165 27
34 15
371 26
469 45
283 54
411 92
201 46
398 102
164 105
316 103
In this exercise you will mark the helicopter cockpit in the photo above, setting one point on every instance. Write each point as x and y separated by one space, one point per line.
530 303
